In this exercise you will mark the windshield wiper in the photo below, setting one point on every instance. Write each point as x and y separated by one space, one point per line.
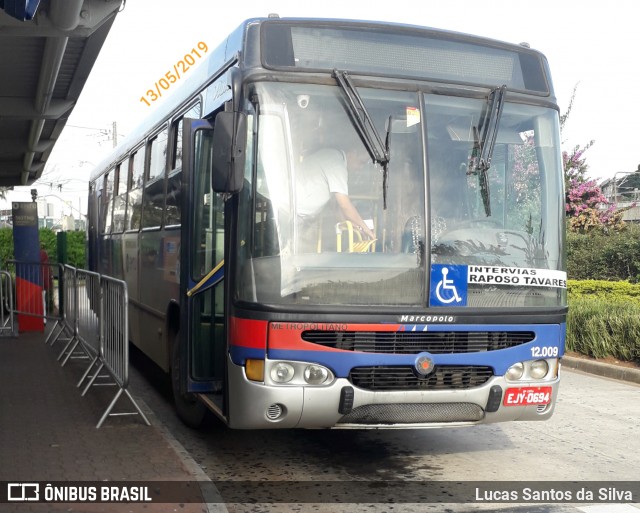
370 136
484 142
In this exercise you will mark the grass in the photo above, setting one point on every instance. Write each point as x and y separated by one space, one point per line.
601 326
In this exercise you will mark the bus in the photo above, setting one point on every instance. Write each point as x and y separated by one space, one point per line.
345 224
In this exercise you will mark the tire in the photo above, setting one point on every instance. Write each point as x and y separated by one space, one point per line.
190 410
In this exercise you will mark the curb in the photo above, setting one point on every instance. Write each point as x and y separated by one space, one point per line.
605 370
214 502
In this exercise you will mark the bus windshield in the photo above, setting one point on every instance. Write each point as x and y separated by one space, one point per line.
327 226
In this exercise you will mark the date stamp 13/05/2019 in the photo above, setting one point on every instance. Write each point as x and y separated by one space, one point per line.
180 68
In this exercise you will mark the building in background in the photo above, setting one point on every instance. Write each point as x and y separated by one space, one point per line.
59 216
623 190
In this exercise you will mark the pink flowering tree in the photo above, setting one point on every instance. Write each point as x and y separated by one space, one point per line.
575 165
588 209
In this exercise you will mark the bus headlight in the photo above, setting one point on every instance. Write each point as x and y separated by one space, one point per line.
533 370
315 374
515 372
282 372
538 369
292 373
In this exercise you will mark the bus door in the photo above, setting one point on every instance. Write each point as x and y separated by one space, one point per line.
202 325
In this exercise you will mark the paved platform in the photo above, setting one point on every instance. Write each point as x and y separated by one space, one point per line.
48 433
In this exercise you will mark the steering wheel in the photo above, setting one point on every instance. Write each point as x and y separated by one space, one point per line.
412 241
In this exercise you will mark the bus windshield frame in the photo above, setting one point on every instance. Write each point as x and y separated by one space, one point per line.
431 140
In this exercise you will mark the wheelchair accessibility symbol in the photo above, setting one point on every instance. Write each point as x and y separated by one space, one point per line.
448 285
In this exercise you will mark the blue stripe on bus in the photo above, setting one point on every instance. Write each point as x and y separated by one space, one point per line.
341 363
240 353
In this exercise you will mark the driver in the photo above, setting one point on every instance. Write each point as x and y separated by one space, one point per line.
324 174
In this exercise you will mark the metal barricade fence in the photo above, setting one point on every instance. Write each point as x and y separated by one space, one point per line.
6 304
114 340
88 308
87 301
115 328
69 324
93 317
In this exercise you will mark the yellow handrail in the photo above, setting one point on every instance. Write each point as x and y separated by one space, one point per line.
204 280
359 246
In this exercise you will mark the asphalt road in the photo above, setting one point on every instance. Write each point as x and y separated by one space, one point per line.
592 440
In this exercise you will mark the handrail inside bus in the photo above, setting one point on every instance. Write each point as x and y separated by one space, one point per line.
204 280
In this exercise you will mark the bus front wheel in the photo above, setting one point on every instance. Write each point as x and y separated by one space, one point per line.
190 410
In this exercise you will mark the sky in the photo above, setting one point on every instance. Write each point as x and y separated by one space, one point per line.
589 44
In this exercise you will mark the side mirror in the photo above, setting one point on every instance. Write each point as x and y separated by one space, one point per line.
229 143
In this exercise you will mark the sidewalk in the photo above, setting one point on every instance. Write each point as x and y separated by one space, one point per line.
48 433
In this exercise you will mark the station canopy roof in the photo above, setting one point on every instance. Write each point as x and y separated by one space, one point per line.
47 49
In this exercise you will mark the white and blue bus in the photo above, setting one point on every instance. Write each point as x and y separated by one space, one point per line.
345 224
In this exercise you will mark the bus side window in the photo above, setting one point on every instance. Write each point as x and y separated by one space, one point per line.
208 233
120 199
177 145
100 204
153 203
174 179
173 198
108 202
134 207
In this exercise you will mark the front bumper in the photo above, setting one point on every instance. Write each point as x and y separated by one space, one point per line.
254 405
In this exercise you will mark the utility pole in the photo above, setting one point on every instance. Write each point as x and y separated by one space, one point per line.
115 134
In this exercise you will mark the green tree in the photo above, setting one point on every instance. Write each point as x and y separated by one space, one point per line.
48 242
76 246
76 249
604 256
6 246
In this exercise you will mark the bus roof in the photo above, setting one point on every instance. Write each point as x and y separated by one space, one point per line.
319 46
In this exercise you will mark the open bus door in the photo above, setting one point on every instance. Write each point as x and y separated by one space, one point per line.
199 355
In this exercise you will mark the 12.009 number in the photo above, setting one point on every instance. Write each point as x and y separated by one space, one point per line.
544 352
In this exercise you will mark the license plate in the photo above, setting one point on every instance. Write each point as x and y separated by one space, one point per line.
527 395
